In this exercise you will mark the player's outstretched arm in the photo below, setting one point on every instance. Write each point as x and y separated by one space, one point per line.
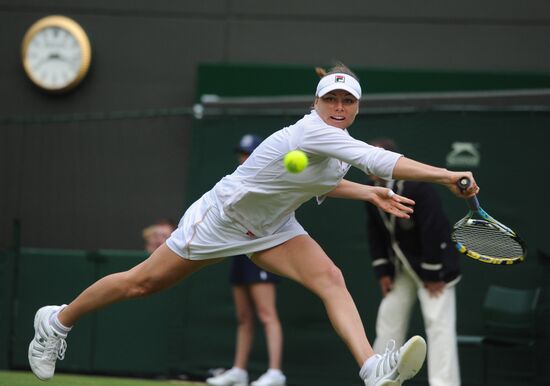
408 169
384 198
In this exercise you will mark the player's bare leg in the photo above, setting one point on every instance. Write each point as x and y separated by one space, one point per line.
161 270
304 261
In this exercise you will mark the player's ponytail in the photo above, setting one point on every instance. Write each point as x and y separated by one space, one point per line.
320 71
338 67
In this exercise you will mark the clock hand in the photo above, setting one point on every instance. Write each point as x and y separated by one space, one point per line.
39 64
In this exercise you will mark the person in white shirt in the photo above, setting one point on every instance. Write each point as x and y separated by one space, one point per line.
252 212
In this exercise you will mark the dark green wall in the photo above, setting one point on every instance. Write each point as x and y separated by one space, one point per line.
264 80
6 295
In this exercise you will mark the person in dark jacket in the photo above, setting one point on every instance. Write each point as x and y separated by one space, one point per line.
415 259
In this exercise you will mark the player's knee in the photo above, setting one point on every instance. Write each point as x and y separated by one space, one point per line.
138 290
335 276
137 286
331 277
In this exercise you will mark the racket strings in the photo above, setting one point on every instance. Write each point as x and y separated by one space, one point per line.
486 240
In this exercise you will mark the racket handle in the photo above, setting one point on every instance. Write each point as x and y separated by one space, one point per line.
463 184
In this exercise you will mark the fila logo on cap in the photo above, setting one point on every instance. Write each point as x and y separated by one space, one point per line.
339 81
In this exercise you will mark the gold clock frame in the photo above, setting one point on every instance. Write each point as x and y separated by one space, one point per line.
74 29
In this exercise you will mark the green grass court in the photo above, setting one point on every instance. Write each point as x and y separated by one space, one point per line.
26 378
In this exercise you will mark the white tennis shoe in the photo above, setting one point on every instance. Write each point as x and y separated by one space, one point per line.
47 346
396 366
271 378
231 377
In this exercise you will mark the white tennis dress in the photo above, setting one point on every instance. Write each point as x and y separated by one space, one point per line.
253 208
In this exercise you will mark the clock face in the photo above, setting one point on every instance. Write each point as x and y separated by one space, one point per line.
56 53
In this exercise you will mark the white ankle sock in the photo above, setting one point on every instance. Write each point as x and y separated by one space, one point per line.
57 325
368 366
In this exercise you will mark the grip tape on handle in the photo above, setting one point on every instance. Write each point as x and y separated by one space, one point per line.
463 184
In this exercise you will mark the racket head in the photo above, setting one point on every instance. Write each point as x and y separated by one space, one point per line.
488 241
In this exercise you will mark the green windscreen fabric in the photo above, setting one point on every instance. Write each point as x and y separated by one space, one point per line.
267 80
7 270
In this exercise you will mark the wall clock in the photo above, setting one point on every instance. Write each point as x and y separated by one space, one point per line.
56 53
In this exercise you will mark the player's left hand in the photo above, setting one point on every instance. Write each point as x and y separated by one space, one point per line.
392 203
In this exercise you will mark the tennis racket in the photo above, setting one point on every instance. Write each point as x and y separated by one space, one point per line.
481 237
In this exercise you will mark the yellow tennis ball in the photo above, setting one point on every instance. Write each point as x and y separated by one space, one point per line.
295 161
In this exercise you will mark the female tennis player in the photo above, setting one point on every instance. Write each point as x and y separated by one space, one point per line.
252 212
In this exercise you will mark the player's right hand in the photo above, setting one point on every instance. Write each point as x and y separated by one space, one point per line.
471 191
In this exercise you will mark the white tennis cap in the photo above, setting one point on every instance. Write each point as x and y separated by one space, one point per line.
339 81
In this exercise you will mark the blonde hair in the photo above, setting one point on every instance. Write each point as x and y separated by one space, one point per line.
149 231
146 233
338 67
